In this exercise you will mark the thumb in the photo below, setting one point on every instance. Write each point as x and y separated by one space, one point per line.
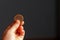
15 26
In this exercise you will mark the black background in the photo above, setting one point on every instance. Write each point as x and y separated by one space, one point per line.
40 16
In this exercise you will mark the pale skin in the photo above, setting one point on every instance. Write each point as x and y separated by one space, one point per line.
9 33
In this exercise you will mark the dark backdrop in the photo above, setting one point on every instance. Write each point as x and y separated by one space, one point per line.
40 16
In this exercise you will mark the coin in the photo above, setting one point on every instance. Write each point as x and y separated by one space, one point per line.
19 17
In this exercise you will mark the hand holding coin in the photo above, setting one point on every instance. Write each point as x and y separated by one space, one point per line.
20 18
15 31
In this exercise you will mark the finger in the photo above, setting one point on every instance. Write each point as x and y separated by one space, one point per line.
23 34
20 31
15 25
7 29
22 22
10 26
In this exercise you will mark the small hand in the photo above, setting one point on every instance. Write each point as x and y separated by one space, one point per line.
11 33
